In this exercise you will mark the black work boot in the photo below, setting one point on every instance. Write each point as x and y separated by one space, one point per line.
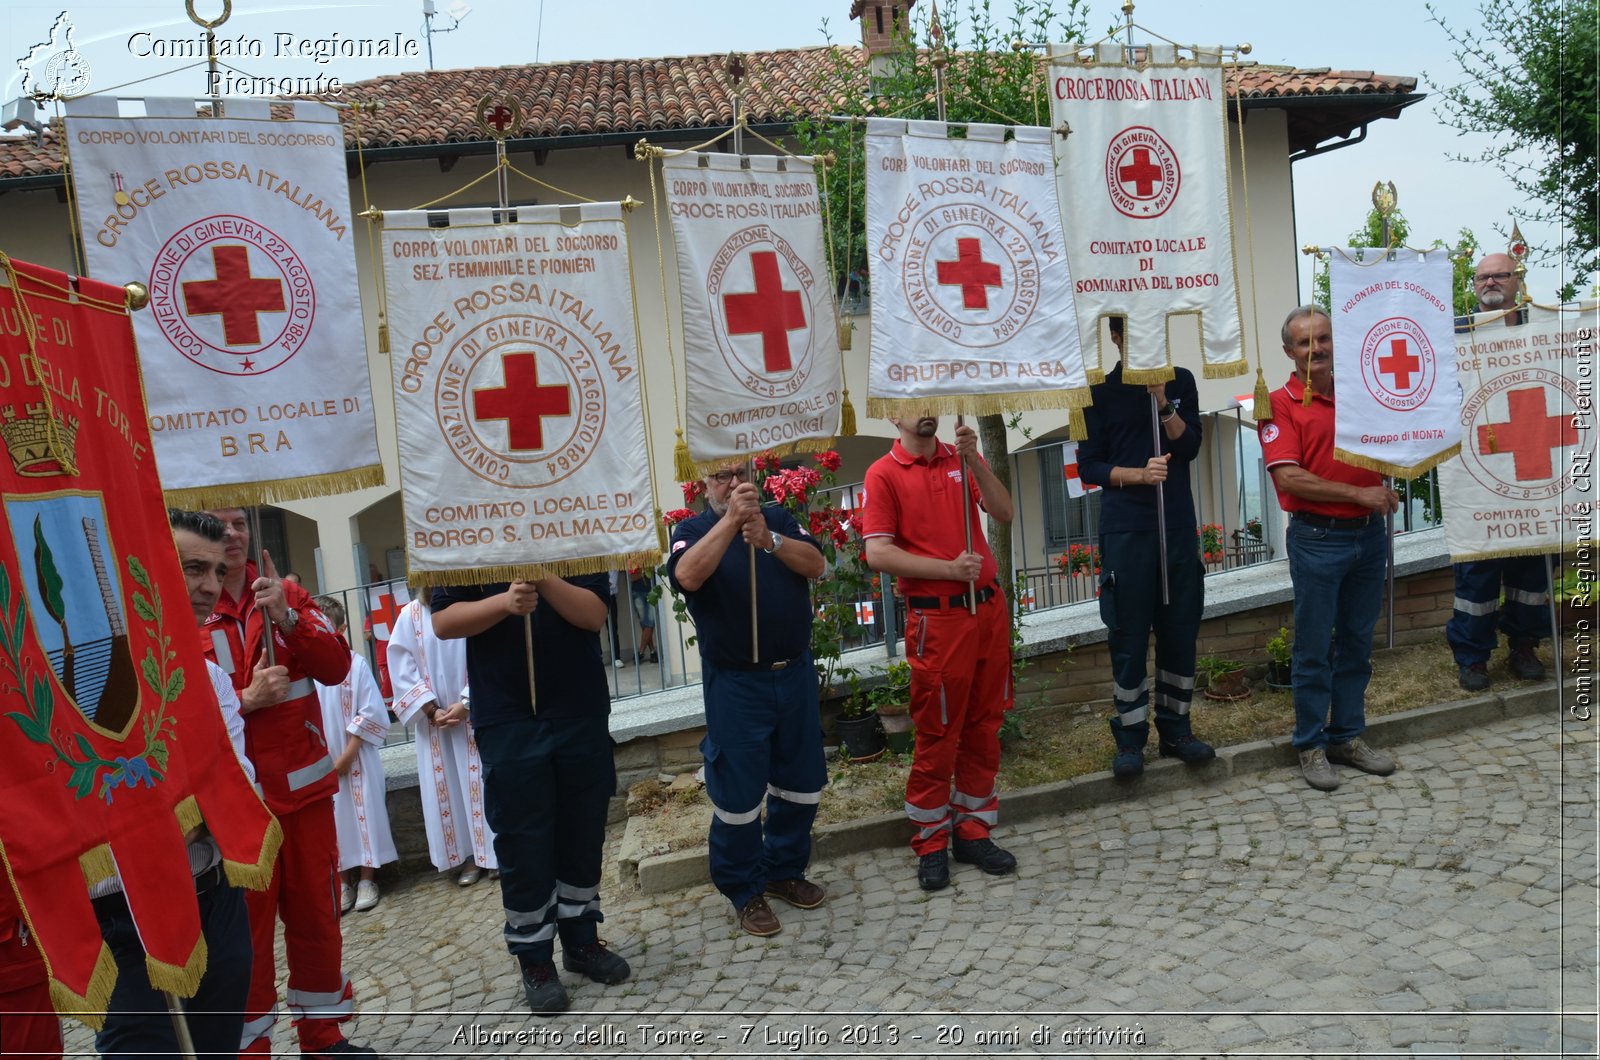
1177 740
1129 759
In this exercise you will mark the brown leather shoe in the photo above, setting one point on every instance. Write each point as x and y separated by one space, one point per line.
800 893
758 918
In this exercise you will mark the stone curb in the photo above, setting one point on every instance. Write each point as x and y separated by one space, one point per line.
690 868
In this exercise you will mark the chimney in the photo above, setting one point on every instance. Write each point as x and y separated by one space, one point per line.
883 22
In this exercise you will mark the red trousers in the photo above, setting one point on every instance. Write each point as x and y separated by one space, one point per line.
28 1024
305 893
960 690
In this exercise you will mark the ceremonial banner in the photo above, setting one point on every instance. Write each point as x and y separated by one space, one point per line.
517 394
1523 484
253 356
971 290
1143 175
760 334
1393 341
112 740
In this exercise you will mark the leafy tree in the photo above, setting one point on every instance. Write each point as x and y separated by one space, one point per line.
1531 80
987 79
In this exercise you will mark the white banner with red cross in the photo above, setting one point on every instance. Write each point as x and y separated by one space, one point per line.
1523 484
1142 164
254 364
971 290
1076 487
517 394
1393 339
760 333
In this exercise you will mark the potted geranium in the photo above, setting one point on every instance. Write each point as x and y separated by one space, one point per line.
1210 536
1224 678
892 700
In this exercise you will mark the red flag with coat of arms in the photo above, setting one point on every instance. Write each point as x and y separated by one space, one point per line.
113 741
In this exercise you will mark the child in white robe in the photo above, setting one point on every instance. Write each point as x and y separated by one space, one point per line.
354 710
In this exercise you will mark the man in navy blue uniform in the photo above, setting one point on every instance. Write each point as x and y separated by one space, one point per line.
548 773
1477 611
1120 455
763 734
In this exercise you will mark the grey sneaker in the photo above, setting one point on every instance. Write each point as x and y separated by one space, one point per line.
1356 753
1318 773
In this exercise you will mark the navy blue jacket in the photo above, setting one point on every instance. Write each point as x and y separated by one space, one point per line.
1120 436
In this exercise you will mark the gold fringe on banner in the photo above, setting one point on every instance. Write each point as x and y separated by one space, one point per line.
1227 370
256 877
1077 426
1567 549
97 865
1096 376
272 491
1383 467
847 416
1146 376
1261 408
188 814
981 404
682 462
703 468
89 1009
184 980
531 572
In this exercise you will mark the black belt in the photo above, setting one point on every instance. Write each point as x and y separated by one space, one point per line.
1333 522
752 667
937 603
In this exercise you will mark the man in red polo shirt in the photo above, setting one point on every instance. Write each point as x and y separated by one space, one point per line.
1338 551
960 662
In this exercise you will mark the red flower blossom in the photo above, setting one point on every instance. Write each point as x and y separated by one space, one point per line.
828 461
693 490
676 516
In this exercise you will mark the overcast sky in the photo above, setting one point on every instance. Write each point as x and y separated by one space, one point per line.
1332 192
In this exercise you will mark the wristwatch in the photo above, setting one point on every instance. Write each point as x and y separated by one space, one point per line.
777 543
291 619
1168 409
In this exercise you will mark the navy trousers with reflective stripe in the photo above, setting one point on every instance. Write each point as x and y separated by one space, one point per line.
546 786
1131 607
1524 617
763 739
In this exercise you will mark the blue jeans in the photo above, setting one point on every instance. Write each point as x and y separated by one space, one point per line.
1338 591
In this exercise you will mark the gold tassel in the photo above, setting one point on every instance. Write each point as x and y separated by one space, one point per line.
682 463
847 417
1307 395
661 532
383 338
1262 408
1077 426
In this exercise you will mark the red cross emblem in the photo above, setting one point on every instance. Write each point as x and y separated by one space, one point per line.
768 311
523 402
385 613
499 117
1400 364
235 295
971 273
1529 435
1143 174
1076 487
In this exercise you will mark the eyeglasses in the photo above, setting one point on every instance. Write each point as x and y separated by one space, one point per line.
722 478
1498 277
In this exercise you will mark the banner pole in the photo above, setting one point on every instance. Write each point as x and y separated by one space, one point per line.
1161 501
180 1025
940 59
268 653
527 647
1384 200
755 619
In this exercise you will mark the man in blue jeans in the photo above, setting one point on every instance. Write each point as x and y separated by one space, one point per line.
1337 557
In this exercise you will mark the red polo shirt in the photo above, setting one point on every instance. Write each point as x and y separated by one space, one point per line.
917 503
1302 434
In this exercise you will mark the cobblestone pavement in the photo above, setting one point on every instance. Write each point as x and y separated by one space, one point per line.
1447 910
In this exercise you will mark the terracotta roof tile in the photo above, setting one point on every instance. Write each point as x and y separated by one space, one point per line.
624 96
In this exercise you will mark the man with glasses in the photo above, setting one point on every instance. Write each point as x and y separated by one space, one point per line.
763 733
1526 615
